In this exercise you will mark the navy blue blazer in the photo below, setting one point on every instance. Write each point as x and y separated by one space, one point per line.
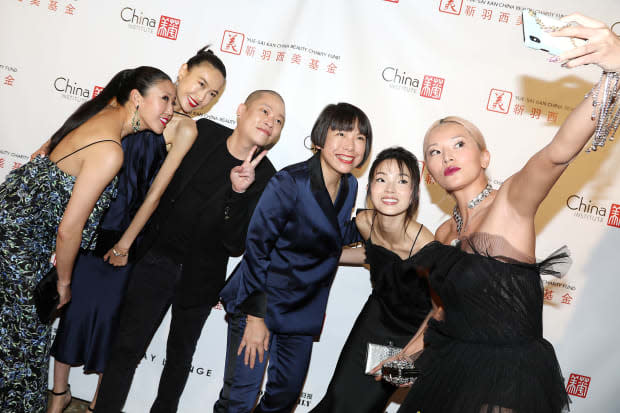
293 245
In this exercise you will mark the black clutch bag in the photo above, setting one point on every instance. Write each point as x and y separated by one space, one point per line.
46 297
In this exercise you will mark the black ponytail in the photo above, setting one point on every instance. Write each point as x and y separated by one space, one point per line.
121 85
206 55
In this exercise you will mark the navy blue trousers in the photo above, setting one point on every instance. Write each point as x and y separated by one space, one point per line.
289 357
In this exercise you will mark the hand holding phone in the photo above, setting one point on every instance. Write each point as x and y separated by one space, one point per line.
536 34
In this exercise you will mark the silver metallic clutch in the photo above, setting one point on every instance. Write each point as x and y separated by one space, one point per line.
376 353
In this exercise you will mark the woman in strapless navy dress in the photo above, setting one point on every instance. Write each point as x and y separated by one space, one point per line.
400 301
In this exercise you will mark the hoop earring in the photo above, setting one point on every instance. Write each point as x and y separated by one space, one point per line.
135 120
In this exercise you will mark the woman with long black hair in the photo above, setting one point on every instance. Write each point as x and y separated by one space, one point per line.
54 204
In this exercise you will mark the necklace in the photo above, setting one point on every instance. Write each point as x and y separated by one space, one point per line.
182 114
471 204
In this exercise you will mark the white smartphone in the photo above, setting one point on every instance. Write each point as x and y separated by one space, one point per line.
535 37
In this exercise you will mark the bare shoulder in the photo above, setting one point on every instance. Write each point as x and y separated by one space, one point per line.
363 221
106 154
443 232
183 131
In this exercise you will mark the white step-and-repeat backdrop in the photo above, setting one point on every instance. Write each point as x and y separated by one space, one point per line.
405 63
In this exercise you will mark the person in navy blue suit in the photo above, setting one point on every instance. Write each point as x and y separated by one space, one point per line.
277 296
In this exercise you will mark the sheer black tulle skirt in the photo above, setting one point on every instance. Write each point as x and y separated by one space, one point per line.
463 377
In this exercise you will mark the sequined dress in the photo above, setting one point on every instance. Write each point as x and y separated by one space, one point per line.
488 354
32 202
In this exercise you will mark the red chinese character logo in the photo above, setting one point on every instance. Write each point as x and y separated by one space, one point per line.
168 27
69 9
614 216
503 17
535 113
280 57
451 6
16 165
499 101
53 5
35 2
578 385
519 109
8 80
566 298
249 51
470 10
432 87
232 42
1 162
548 294
331 68
487 14
314 64
296 58
266 55
552 117
97 90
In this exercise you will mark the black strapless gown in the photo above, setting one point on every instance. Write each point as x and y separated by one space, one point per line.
399 303
488 355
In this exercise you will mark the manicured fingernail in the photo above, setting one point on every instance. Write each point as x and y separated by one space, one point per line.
554 59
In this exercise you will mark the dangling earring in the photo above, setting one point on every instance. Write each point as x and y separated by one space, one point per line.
135 121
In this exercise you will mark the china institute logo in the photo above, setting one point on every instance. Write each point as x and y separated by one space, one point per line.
594 211
578 385
397 78
232 42
165 26
451 6
499 101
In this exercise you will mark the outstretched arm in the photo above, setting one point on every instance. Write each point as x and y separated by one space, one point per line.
183 141
528 188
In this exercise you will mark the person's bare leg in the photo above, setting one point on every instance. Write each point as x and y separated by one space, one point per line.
91 406
61 396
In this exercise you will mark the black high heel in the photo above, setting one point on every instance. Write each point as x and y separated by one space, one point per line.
68 390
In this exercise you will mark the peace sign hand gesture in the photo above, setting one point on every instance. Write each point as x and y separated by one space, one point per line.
242 176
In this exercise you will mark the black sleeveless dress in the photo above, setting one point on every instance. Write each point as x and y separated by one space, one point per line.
399 303
488 354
